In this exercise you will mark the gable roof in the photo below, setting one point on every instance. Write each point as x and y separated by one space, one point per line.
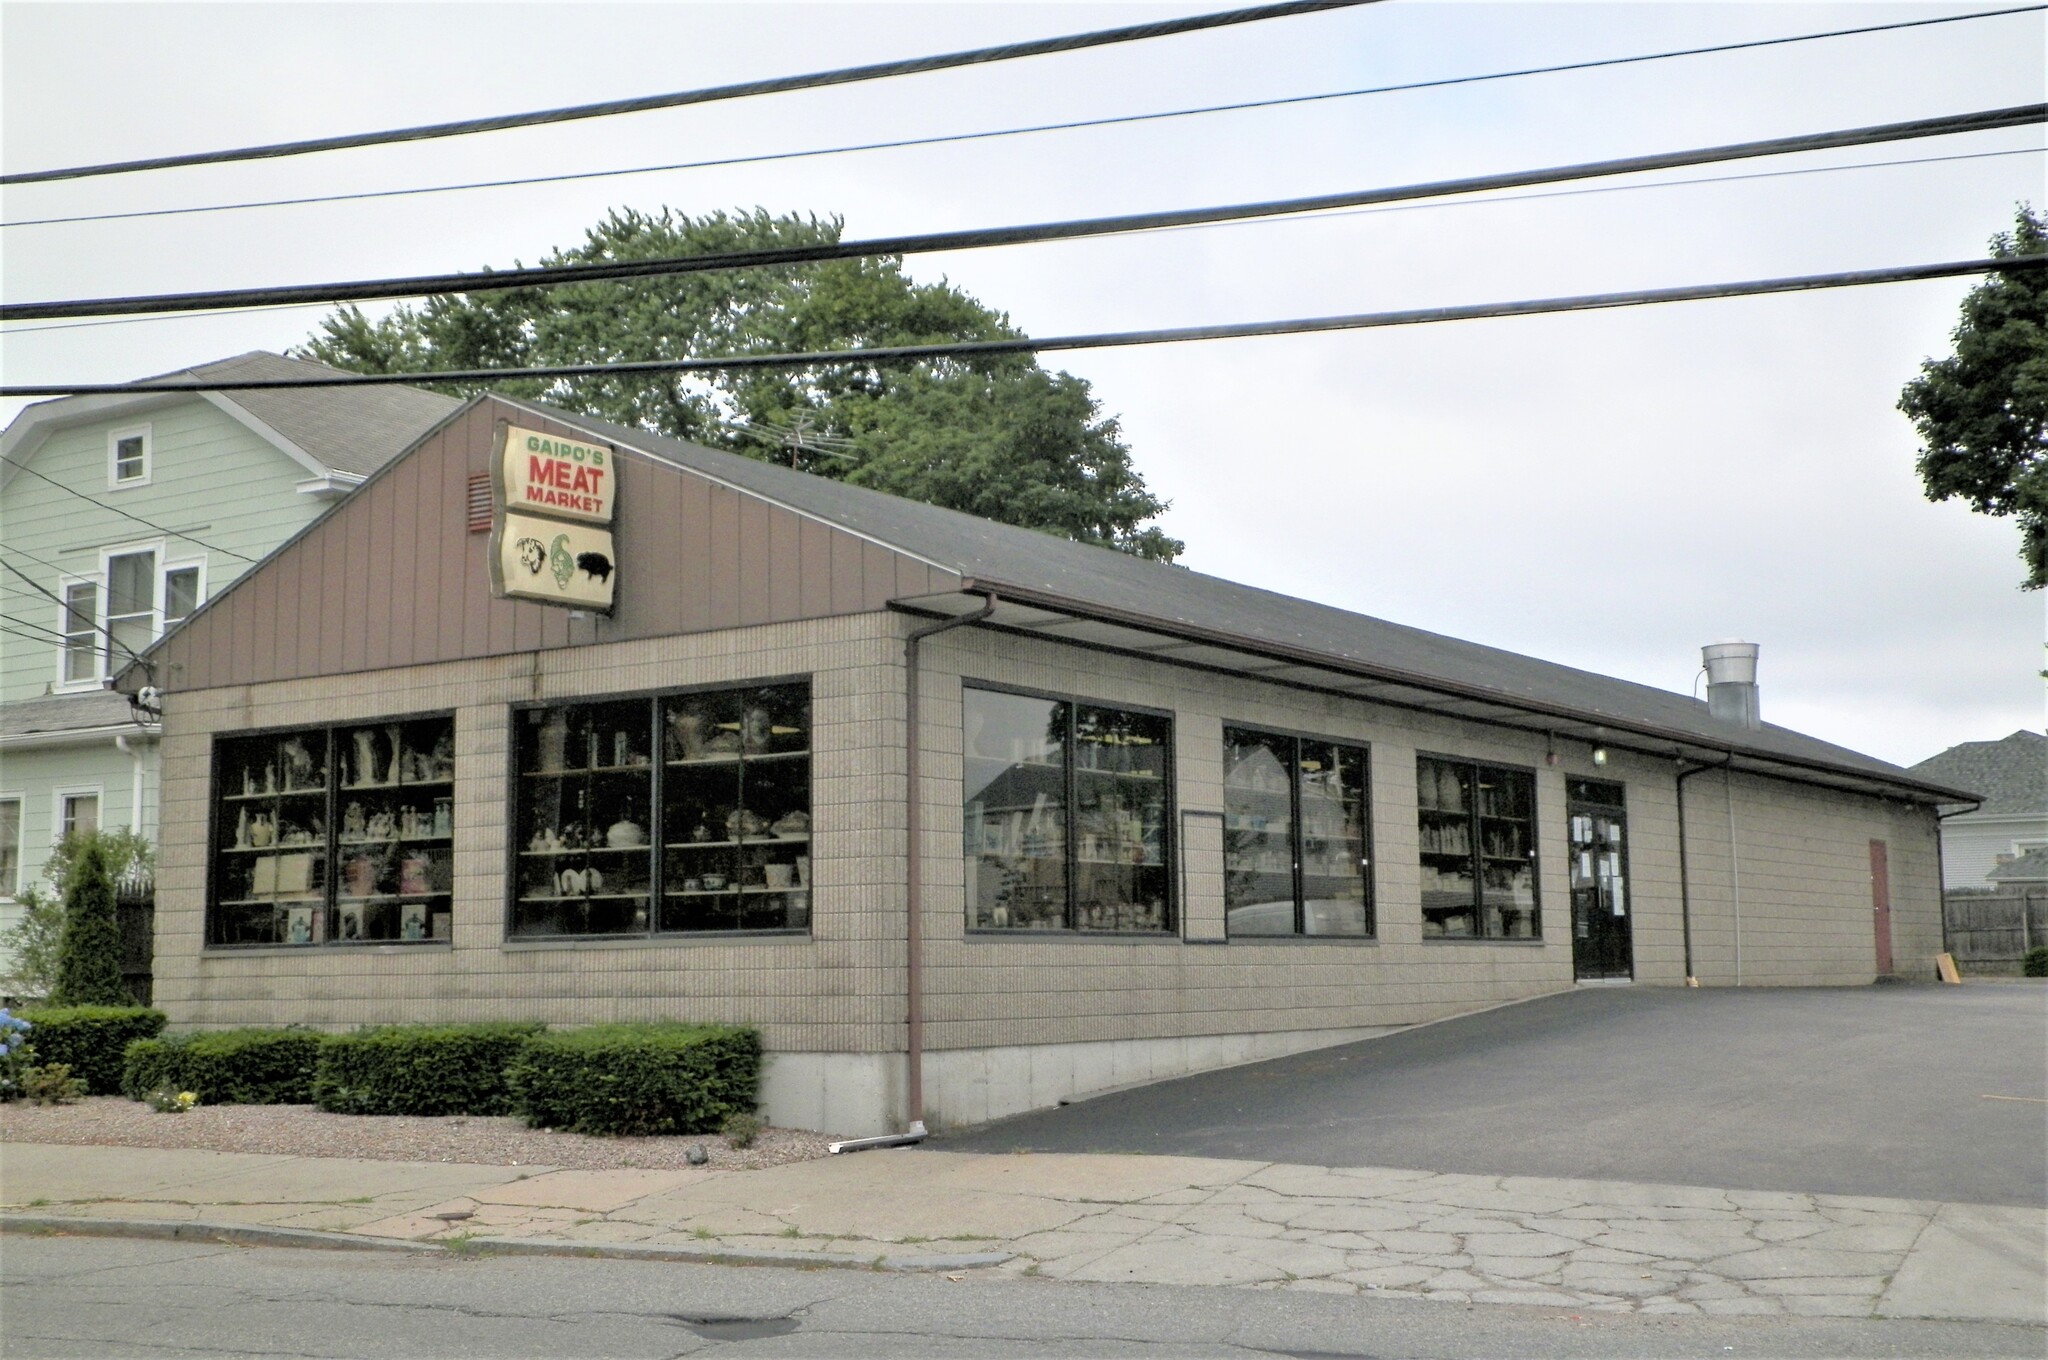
1303 637
331 432
2010 774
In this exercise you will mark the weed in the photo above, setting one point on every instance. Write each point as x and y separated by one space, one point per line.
792 1231
703 1234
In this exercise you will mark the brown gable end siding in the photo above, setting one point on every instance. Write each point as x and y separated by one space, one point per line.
393 577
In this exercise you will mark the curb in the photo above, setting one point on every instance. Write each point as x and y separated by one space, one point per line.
252 1235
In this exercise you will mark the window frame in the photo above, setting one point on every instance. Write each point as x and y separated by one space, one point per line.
100 583
1476 857
115 438
1170 926
10 889
657 811
1298 837
331 847
63 794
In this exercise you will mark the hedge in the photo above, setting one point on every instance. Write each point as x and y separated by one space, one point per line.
91 1040
227 1067
420 1069
637 1079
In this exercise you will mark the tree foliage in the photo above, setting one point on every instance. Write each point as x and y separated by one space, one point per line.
996 436
32 947
89 954
1982 413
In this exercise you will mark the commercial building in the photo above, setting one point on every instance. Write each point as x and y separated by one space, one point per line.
503 737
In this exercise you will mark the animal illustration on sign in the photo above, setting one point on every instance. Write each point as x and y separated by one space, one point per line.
533 554
596 565
559 560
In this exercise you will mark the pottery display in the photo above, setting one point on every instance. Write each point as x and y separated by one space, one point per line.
794 824
625 835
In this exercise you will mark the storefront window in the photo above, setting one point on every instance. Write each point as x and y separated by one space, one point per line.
334 835
1067 816
1296 852
725 777
1477 825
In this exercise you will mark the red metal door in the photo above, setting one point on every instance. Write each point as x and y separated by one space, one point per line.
1881 906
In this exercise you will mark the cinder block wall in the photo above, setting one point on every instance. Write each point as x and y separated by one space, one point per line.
838 991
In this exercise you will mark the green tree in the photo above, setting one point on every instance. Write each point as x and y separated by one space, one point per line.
997 436
33 945
1982 413
89 954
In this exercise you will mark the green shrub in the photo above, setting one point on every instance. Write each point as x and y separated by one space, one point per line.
91 1040
51 1084
2035 961
227 1067
420 1069
741 1129
89 951
637 1079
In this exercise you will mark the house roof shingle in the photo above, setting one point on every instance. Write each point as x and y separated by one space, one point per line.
2011 773
353 430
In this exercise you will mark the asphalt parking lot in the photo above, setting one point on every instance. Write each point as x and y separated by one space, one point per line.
1913 1092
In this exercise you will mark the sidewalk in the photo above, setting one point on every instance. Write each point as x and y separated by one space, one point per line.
1586 1245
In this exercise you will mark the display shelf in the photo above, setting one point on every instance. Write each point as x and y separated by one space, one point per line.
401 784
587 850
272 797
397 840
274 901
752 890
579 897
575 772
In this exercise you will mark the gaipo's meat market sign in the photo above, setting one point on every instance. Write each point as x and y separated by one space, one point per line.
551 494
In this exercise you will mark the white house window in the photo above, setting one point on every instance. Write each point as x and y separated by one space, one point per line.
181 593
81 632
10 846
78 814
109 619
128 457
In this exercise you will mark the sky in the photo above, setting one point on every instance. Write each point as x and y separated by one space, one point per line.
1608 490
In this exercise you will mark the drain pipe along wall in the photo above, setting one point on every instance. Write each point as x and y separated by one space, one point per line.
1685 878
913 895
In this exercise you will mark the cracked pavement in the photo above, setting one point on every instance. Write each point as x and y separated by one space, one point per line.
1594 1246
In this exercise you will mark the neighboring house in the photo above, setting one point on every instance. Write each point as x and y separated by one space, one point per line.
123 514
2028 871
2011 776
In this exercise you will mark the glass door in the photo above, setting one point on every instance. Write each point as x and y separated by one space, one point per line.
1601 939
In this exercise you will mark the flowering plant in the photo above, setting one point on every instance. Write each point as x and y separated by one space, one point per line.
16 1057
169 1099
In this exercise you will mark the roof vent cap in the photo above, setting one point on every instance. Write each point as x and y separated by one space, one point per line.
1731 681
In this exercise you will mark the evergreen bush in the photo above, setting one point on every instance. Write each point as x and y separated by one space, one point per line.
637 1079
91 1040
420 1069
89 951
227 1067
2035 962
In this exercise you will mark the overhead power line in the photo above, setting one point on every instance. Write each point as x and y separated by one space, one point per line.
1332 216
962 349
1072 125
1036 47
980 238
20 466
38 587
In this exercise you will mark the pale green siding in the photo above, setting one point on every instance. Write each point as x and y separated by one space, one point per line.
210 476
38 777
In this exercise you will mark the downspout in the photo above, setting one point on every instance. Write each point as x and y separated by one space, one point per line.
913 894
134 755
1941 872
1684 880
1734 865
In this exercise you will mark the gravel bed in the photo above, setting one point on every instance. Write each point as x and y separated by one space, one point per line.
303 1131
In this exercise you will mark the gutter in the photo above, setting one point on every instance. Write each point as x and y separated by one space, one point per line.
1684 879
1305 656
77 736
913 897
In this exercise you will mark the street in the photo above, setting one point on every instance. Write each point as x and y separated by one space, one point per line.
119 1297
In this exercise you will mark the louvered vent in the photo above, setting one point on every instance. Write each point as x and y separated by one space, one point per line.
479 502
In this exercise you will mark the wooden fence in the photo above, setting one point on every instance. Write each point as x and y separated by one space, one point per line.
1992 931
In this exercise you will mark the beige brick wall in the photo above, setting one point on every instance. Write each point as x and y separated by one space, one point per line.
1801 859
839 990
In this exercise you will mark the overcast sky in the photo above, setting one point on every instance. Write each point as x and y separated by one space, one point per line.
1607 490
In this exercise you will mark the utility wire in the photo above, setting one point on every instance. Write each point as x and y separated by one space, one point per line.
20 466
745 89
900 143
41 589
39 561
1218 226
959 349
978 238
49 634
